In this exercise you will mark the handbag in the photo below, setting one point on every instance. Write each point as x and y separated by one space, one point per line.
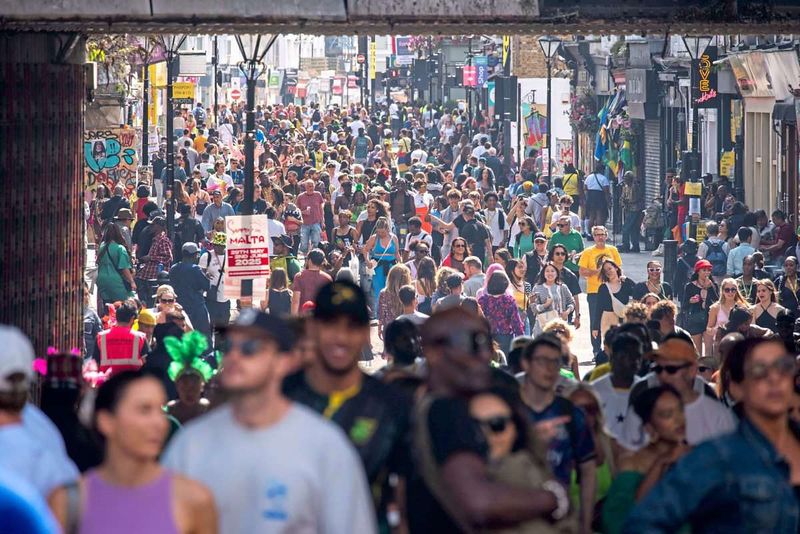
696 322
544 317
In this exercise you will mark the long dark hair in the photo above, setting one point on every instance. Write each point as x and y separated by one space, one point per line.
112 233
540 278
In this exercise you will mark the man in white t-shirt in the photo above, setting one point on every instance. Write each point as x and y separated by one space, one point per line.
419 154
416 233
495 219
675 364
614 388
284 468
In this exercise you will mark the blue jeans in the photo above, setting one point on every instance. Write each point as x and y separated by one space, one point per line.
310 233
631 231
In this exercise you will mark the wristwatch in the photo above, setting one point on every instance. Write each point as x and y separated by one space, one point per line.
562 499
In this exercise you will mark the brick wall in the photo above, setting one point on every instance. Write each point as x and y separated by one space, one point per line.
527 58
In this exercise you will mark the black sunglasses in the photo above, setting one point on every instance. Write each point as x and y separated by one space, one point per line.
247 348
559 253
495 424
167 301
670 369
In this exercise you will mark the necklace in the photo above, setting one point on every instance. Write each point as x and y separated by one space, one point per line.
658 289
747 289
791 285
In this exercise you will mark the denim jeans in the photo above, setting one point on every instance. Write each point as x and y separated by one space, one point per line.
310 233
631 233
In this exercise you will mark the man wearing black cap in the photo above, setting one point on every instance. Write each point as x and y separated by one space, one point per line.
372 414
284 468
190 286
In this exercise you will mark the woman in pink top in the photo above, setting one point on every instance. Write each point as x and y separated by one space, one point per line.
130 493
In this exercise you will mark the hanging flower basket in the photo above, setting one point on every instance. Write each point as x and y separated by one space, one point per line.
583 113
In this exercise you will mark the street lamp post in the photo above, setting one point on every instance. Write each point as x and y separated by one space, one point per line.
171 43
253 49
549 46
696 46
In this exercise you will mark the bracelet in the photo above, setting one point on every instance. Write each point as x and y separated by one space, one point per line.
562 499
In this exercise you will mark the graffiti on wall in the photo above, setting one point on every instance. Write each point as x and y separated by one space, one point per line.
110 158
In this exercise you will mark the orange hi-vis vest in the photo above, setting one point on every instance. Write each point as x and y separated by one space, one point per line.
120 349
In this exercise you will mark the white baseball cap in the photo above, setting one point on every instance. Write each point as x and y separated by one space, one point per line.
16 356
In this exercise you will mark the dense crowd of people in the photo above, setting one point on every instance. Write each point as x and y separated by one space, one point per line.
186 411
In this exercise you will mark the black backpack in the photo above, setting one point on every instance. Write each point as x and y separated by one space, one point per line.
719 260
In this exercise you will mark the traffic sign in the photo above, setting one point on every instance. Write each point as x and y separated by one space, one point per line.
236 94
361 59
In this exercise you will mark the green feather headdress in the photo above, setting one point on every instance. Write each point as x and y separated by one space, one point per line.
187 355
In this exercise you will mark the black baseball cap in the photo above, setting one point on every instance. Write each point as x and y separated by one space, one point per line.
269 325
342 299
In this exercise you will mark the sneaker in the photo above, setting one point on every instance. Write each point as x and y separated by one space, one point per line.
659 251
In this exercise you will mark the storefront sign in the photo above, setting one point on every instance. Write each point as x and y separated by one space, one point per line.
183 92
373 59
726 163
482 70
707 79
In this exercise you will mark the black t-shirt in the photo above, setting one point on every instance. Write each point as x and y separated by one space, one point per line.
376 420
299 169
452 430
476 234
569 279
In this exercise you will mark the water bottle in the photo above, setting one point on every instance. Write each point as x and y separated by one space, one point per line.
160 267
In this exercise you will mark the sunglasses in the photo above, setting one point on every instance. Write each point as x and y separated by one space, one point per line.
168 301
785 366
496 424
466 341
459 245
730 290
559 253
562 225
670 369
248 348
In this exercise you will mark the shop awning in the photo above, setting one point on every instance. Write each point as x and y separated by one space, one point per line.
785 111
